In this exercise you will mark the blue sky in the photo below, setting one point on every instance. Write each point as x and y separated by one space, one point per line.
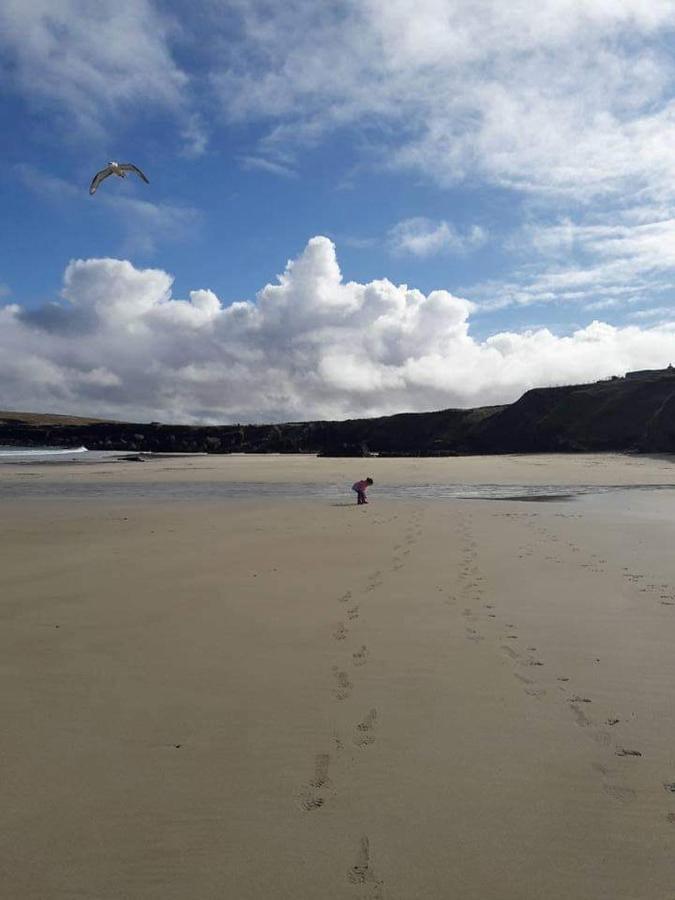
410 205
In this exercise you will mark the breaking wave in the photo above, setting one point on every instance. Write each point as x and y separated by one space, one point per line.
40 451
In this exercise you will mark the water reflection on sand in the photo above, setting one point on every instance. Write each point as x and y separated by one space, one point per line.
222 490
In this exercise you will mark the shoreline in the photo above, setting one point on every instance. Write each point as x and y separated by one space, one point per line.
589 468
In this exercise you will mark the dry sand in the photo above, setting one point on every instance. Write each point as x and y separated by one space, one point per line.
257 699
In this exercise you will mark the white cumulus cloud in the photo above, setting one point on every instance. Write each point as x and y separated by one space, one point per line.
311 345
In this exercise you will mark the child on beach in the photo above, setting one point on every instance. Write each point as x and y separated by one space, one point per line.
361 487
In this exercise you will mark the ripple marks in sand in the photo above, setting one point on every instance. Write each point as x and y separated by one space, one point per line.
362 875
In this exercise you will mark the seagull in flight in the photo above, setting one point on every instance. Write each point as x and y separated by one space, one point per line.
115 168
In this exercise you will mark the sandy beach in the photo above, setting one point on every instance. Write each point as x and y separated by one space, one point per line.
258 697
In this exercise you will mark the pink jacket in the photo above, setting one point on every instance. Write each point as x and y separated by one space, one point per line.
360 486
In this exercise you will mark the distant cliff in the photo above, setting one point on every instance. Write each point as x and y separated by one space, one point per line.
632 413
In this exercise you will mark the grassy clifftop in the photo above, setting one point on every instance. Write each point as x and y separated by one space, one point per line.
632 413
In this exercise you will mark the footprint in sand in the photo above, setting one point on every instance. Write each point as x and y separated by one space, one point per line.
343 686
360 657
473 635
510 652
374 582
580 716
622 752
362 875
620 793
340 632
353 613
535 692
363 736
314 795
346 597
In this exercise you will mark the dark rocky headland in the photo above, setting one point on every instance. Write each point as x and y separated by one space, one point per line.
631 413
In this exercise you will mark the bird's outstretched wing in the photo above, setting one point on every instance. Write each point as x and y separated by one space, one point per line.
98 178
130 167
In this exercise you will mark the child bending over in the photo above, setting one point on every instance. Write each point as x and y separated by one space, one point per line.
361 487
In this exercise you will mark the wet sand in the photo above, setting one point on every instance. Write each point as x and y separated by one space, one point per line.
280 698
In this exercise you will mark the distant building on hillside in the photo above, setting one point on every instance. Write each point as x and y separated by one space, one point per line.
651 374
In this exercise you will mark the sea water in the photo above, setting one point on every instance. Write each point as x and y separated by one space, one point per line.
12 454
10 451
339 493
336 492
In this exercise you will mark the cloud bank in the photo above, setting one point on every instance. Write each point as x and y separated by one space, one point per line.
309 346
559 97
565 106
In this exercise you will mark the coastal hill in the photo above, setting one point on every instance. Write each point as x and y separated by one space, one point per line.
635 412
